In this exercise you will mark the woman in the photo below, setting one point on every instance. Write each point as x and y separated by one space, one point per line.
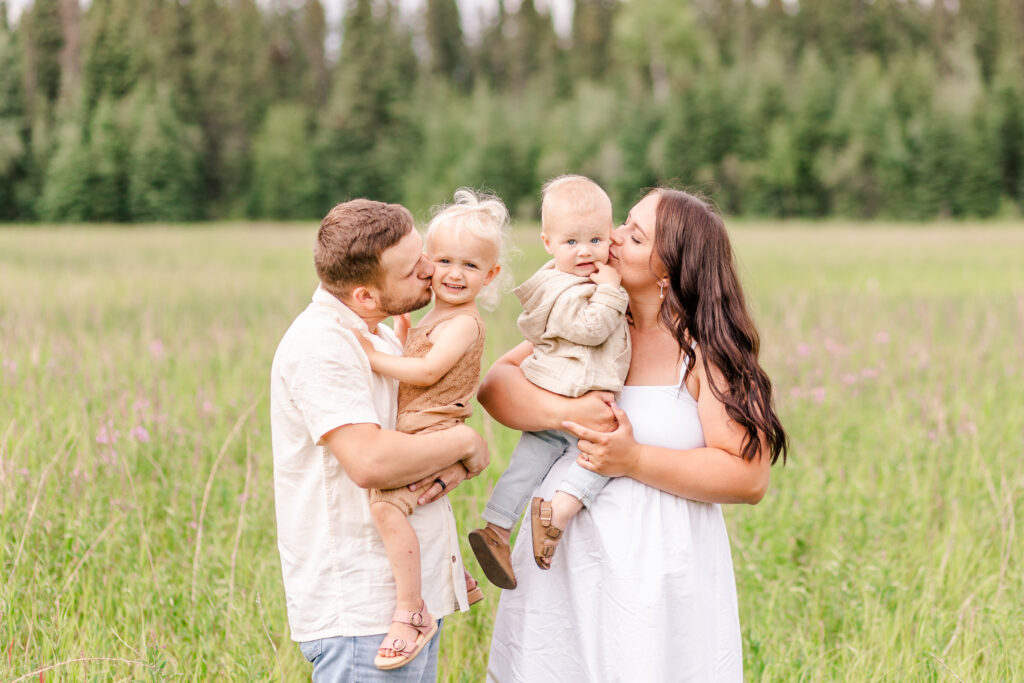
642 586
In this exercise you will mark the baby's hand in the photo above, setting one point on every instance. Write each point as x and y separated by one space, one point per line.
606 275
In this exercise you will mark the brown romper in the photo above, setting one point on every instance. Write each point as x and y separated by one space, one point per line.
442 405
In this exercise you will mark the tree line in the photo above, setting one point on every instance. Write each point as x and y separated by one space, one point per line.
179 110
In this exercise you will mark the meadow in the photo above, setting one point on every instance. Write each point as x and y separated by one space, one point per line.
137 533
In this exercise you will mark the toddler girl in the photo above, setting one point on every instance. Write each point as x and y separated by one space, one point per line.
438 374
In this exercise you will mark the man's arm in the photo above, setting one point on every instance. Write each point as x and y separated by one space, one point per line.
384 459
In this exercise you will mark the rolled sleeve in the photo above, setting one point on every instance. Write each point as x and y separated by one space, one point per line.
330 385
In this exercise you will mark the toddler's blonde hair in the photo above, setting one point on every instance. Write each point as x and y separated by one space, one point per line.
568 195
482 215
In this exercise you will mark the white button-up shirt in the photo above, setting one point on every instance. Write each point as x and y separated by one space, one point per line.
337 580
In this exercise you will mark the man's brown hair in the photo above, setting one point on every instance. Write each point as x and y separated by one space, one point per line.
351 239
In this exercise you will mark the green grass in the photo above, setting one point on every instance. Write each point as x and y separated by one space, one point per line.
887 549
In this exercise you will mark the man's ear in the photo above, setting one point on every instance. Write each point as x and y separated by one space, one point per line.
364 298
547 243
492 273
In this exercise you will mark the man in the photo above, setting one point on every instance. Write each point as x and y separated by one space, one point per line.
333 422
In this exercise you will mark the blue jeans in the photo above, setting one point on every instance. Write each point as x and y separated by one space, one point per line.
529 463
349 659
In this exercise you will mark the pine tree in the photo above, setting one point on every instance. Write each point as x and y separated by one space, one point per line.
13 123
42 41
284 177
367 133
163 161
227 61
108 172
111 66
65 196
443 29
592 23
1008 102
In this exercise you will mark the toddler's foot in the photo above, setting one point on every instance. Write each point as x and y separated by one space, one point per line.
410 631
473 590
545 534
494 555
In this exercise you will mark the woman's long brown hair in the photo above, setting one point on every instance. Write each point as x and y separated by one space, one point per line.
704 303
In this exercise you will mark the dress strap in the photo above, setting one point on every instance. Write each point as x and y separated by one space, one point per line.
448 316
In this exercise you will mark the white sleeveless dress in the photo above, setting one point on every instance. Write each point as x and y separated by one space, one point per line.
641 587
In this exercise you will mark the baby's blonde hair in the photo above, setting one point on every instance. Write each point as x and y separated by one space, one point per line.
568 195
484 216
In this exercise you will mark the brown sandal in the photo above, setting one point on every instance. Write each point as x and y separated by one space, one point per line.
540 519
494 556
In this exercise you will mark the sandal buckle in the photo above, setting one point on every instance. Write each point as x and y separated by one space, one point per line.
416 619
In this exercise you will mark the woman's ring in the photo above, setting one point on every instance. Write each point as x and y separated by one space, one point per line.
440 481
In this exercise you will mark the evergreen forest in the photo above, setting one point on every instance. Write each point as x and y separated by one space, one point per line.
184 110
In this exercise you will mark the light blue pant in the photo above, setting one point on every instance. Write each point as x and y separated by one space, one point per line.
529 463
349 659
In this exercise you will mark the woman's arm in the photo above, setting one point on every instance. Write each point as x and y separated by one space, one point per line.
516 402
450 340
715 473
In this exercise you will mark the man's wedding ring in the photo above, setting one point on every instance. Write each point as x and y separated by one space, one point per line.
440 481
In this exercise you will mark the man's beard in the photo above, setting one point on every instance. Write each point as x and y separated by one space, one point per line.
393 306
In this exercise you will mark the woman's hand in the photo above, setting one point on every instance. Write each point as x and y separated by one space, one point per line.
439 483
613 454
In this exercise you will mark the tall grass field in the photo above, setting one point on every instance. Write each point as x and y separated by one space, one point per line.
137 533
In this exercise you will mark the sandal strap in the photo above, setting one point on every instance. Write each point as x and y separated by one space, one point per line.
420 620
400 646
545 513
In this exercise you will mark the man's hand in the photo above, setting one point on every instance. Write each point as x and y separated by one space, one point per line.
439 483
605 275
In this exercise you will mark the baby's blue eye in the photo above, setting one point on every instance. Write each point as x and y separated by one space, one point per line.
443 261
595 240
471 265
571 243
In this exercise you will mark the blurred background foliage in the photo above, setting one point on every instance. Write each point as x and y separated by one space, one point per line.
179 110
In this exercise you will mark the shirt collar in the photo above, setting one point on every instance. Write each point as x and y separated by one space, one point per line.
345 314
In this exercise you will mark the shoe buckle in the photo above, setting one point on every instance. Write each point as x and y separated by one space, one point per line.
416 619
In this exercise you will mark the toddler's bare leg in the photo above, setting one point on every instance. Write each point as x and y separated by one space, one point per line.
403 550
564 507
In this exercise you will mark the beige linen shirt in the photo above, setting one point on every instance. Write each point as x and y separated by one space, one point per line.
578 330
337 580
